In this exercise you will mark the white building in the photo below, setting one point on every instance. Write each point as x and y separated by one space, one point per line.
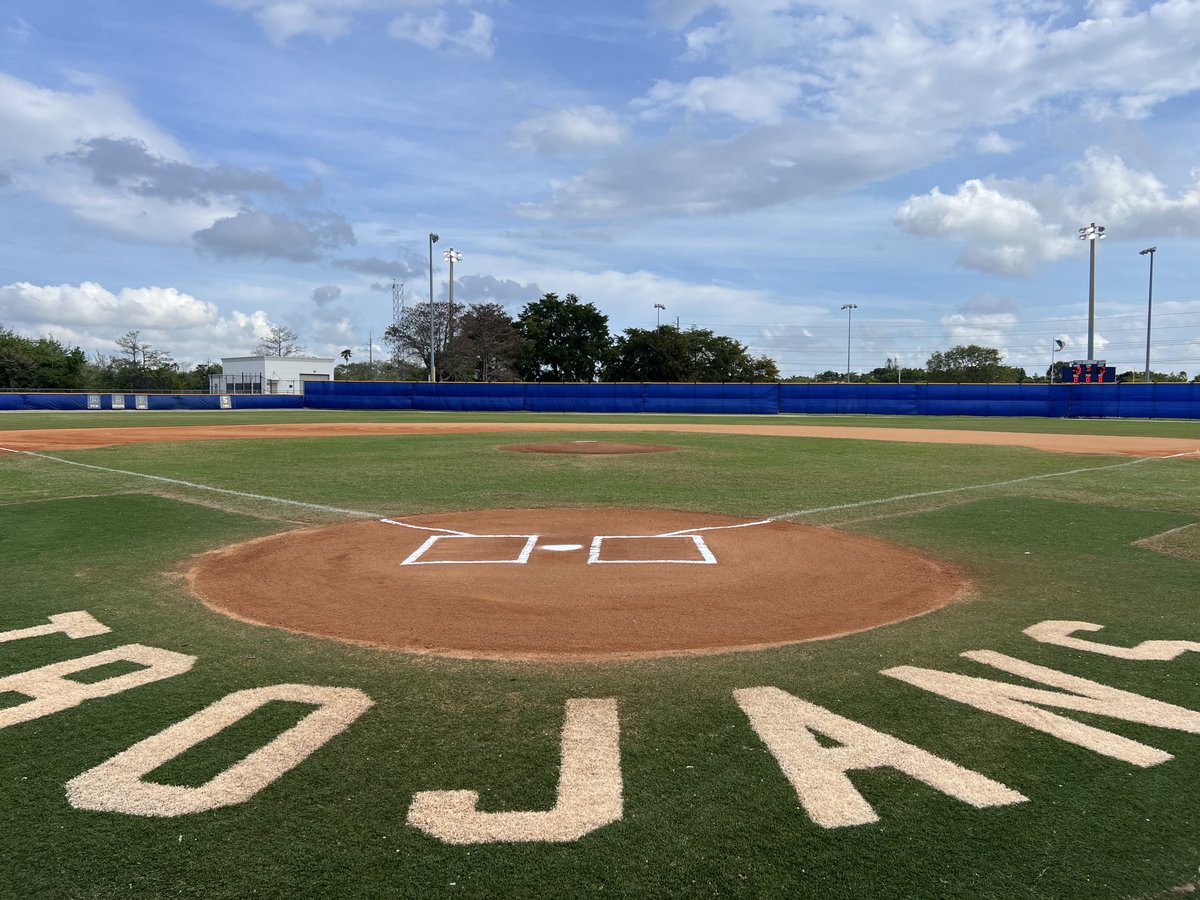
269 374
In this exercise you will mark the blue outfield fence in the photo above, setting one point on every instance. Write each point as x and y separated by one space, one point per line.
1134 401
49 402
1142 401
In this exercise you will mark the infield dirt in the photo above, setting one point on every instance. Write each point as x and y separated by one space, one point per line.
641 592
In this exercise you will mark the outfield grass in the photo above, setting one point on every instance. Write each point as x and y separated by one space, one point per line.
707 809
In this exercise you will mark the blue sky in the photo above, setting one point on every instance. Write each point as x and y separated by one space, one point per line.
198 170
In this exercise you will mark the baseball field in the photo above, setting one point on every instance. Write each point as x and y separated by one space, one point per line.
306 653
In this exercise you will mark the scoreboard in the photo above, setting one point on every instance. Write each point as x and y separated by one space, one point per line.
1089 371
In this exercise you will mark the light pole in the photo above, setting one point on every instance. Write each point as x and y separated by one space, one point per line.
658 308
451 256
849 308
432 362
1149 306
1092 233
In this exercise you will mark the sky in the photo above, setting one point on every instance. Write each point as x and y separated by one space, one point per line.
200 170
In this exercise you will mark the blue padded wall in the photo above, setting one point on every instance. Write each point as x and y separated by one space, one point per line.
744 399
1158 401
458 397
154 401
593 398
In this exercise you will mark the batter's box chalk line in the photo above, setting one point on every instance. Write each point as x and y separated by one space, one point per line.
444 542
696 540
522 557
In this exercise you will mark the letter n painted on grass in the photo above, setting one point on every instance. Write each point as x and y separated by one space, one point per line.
50 690
788 725
1023 704
119 784
589 790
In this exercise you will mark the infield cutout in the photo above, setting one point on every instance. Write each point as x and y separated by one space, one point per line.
613 583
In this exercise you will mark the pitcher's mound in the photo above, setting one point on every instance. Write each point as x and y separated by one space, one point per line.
599 448
572 583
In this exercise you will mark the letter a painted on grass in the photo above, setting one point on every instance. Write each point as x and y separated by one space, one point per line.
119 784
51 691
1022 704
787 725
1059 633
589 790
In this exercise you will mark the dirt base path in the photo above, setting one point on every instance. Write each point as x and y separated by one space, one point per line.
84 438
572 583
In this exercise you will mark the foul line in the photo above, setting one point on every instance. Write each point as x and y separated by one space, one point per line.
358 513
955 490
443 530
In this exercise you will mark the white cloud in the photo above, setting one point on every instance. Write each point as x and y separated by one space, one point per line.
434 32
820 82
37 122
570 128
994 143
1003 234
1131 202
1009 227
282 20
93 317
760 95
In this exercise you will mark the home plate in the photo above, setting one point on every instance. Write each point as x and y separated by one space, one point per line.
562 548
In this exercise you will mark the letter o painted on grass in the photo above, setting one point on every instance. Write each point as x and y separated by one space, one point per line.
119 784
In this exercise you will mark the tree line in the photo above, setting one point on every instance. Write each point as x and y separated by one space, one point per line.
558 339
552 339
47 364
972 364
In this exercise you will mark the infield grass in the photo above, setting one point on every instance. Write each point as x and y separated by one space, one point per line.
707 809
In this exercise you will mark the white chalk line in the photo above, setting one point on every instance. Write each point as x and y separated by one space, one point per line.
795 514
357 513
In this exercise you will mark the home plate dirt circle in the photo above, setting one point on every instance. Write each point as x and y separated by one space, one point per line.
572 583
588 448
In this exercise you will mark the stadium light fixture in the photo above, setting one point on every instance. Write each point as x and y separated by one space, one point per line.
1149 305
849 308
658 308
1093 233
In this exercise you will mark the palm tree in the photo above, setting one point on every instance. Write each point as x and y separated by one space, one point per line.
346 354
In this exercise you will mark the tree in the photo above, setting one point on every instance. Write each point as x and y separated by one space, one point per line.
279 341
485 347
346 354
668 354
39 364
565 339
142 356
137 366
971 364
409 338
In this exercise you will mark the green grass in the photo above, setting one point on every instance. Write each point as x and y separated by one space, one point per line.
707 810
